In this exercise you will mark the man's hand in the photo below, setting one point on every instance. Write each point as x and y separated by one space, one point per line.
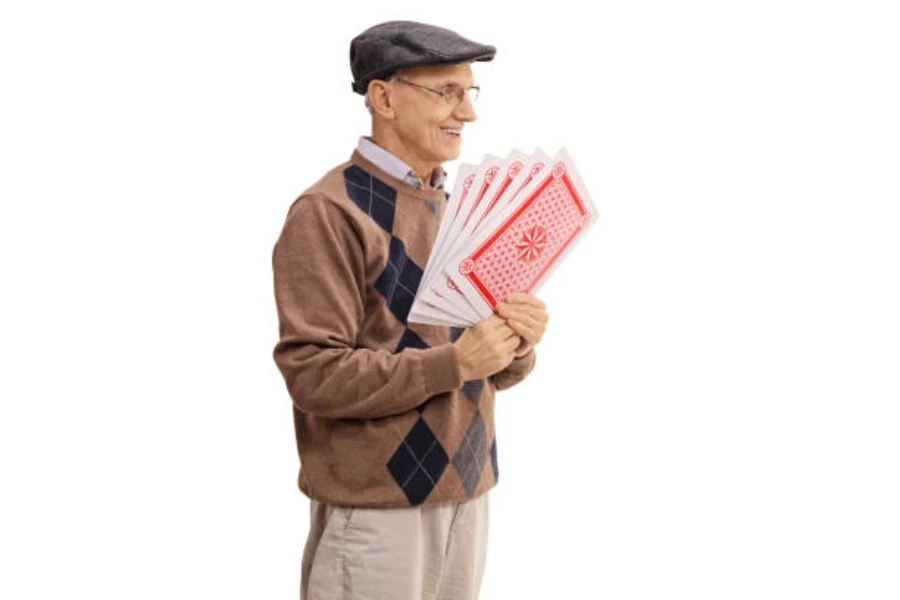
486 348
527 316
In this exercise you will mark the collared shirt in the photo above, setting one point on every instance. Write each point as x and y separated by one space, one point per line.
389 163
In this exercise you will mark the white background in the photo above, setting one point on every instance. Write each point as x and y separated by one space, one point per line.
714 412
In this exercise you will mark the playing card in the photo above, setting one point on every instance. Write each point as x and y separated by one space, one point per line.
430 314
438 290
511 173
429 306
466 173
527 240
499 196
535 163
507 225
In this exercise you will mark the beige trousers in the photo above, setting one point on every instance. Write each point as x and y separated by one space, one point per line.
416 553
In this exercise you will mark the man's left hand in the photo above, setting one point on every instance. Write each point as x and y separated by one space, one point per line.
527 316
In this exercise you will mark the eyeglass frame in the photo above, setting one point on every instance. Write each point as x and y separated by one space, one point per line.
459 98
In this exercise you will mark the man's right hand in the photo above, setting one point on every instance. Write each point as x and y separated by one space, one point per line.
486 348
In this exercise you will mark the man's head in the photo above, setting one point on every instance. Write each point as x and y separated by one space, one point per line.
419 88
421 111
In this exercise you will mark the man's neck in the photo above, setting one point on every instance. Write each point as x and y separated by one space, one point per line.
395 146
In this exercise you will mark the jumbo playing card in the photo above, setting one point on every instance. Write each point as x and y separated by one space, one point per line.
428 306
526 241
440 292
507 225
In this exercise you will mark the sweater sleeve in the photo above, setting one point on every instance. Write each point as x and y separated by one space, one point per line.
318 265
517 370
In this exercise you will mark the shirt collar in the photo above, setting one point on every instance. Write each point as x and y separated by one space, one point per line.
392 165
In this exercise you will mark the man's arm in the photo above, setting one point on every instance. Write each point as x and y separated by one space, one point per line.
517 370
319 271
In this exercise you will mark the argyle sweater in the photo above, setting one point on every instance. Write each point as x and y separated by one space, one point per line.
381 415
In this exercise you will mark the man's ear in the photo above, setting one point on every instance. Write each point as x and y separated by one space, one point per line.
379 94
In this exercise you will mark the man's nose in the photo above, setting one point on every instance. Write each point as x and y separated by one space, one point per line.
465 111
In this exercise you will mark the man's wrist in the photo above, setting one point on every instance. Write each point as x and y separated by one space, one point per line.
461 363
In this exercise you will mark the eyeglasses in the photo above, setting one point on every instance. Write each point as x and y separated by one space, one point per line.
452 94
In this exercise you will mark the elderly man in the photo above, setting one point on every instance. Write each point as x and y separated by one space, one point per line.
394 420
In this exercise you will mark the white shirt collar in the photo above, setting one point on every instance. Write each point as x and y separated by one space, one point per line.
392 165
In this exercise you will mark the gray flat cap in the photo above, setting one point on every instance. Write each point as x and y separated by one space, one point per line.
387 47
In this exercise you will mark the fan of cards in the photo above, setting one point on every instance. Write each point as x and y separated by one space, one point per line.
507 225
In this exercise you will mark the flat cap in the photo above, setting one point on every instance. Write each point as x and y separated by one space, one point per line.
387 47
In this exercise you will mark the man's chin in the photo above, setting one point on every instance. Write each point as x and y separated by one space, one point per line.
452 155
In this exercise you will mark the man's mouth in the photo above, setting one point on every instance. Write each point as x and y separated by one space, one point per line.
453 132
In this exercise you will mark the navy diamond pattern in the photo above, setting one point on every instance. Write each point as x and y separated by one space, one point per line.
401 277
418 463
472 453
410 340
373 196
399 280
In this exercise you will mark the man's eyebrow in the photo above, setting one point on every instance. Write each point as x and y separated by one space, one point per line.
448 82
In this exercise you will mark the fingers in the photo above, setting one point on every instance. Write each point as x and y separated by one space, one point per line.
526 329
524 298
525 319
528 322
492 322
508 332
523 313
498 326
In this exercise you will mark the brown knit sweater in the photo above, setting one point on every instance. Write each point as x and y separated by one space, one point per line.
381 415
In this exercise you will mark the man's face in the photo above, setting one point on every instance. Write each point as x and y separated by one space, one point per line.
423 118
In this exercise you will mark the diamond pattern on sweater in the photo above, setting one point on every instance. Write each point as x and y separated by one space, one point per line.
399 280
472 390
372 196
401 277
418 463
472 453
410 339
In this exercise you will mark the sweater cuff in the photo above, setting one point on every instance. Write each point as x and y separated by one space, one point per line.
517 370
522 363
441 369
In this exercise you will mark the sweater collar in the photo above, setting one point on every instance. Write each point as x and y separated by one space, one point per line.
434 199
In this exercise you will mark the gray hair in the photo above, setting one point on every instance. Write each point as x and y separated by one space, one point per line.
394 77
